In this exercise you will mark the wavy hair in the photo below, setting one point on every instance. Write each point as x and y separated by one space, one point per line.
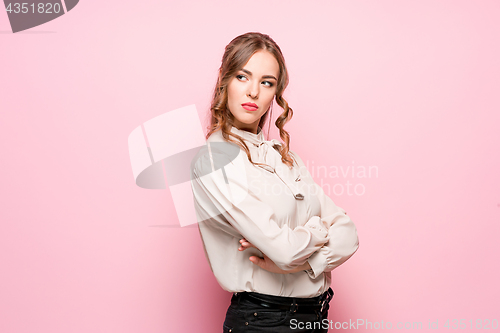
236 55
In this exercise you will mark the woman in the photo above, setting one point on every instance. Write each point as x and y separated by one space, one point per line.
270 233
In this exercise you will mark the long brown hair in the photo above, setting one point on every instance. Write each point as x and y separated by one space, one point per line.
236 55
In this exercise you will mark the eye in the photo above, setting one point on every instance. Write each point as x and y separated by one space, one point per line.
270 83
239 76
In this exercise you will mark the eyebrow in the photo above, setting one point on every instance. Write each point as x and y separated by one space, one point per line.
264 77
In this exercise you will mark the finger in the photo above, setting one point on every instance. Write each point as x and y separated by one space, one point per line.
256 260
243 244
247 245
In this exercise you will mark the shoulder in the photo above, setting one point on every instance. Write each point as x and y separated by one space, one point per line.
300 164
216 154
296 157
216 137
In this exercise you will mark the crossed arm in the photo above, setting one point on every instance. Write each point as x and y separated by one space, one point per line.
343 238
268 264
343 243
326 240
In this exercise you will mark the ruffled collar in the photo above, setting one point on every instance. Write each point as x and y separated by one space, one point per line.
263 151
256 139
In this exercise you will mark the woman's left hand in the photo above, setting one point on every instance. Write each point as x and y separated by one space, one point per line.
267 263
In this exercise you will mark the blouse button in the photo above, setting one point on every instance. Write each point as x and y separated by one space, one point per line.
255 314
246 323
230 330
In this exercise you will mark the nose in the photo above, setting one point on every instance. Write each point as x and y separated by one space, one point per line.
253 90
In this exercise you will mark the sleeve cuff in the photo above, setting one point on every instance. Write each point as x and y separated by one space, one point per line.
318 264
317 227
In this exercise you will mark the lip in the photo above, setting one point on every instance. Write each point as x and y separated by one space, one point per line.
250 106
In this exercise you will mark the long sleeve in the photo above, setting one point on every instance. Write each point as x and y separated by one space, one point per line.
222 196
343 238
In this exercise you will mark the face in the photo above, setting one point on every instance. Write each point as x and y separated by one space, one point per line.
252 89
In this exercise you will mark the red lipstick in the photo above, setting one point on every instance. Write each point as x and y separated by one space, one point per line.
250 106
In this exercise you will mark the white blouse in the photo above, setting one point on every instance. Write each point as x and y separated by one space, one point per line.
281 211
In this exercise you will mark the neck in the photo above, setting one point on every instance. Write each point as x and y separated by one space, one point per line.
248 129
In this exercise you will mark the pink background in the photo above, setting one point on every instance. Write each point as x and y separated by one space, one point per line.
410 87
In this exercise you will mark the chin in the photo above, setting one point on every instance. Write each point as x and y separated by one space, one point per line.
248 120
